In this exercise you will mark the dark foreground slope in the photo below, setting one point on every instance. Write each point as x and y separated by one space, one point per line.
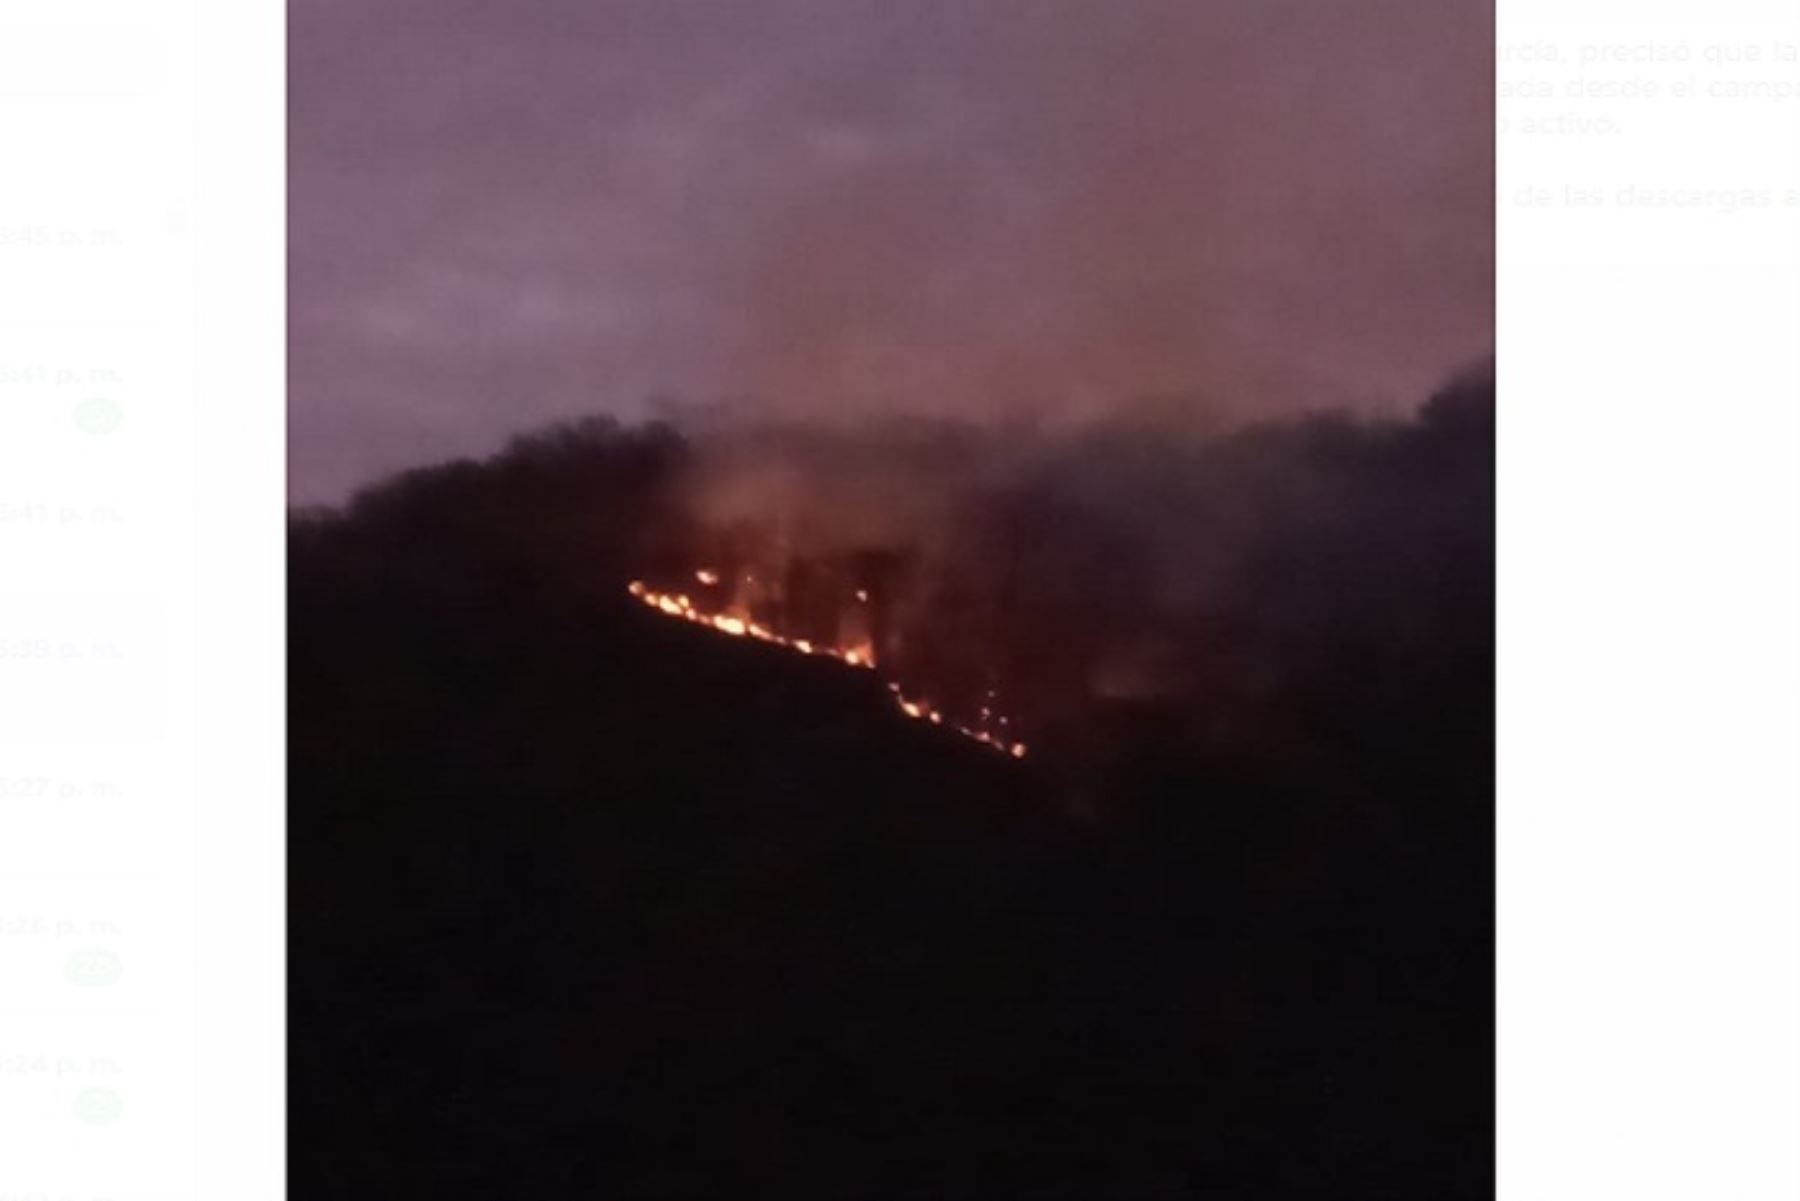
587 903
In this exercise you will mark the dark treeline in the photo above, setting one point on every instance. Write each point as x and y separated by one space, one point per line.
588 903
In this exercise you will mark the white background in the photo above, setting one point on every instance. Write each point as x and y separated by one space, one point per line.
1649 606
141 693
1649 350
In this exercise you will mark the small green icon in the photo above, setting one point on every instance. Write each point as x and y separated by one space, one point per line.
97 415
98 1106
92 968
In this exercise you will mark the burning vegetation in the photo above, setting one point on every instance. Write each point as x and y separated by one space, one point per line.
856 649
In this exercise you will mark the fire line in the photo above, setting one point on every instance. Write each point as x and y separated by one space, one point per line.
681 606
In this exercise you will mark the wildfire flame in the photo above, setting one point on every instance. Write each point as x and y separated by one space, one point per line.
676 604
679 605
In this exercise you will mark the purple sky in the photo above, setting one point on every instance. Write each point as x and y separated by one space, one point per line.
506 212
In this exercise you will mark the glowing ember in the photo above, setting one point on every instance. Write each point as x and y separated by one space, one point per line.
923 711
862 656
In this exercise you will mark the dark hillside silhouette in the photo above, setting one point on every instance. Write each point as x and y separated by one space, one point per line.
587 903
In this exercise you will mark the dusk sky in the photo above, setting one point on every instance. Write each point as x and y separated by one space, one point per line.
507 212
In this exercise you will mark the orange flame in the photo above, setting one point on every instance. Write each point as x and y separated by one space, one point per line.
677 605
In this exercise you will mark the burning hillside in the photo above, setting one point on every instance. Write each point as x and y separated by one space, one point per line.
602 734
1065 592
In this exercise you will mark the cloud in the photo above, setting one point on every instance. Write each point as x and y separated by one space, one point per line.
509 213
